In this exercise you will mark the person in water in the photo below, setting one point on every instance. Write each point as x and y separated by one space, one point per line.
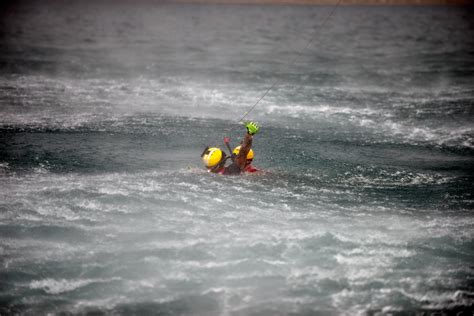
248 165
215 159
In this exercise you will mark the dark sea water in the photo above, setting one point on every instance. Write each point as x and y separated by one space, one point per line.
365 205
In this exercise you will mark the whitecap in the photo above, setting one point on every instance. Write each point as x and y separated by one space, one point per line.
53 286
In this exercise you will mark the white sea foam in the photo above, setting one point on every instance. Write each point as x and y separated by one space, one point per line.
198 99
299 255
297 110
53 286
397 178
103 304
462 136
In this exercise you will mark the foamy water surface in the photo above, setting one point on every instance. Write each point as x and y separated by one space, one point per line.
364 202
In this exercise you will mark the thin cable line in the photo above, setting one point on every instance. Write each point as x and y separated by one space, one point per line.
293 61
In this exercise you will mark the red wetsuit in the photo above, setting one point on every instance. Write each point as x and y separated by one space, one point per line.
250 169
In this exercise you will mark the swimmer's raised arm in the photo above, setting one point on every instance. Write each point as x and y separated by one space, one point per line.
241 159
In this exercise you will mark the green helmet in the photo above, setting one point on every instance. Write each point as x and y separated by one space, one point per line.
252 128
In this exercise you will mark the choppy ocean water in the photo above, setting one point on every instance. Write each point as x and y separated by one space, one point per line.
365 202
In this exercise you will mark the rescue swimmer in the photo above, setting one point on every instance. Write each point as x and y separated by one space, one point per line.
215 159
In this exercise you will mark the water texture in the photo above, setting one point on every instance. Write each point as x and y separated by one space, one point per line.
364 205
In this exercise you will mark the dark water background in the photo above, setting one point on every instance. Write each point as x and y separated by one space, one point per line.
367 143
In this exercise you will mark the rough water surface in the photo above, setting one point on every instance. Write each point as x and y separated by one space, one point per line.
365 201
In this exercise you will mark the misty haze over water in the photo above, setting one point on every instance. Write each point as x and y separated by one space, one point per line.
365 202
